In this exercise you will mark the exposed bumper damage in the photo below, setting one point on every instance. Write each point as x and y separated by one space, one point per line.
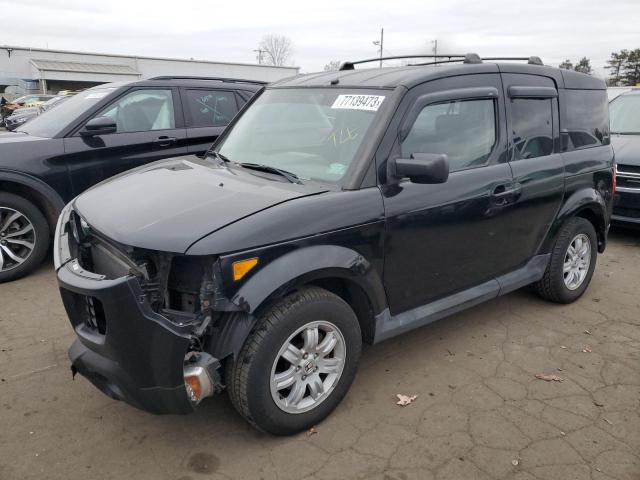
150 326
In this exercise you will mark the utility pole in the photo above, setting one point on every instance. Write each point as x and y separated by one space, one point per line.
435 48
259 51
380 43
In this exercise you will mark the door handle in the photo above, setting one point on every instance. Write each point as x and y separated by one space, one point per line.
164 141
504 193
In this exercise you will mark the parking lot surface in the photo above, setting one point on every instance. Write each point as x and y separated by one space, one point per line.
480 411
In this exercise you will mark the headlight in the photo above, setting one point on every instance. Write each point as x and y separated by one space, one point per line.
79 228
61 252
17 120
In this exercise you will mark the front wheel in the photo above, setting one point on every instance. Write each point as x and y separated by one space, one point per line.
573 260
298 363
24 237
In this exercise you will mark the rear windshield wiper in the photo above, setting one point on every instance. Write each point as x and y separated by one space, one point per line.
292 177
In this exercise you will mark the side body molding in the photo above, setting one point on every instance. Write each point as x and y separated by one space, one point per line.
307 264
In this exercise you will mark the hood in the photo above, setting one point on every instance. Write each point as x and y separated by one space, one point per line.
168 205
627 149
17 140
25 111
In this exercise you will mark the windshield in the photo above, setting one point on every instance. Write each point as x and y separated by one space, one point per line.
312 133
23 99
625 114
53 121
52 103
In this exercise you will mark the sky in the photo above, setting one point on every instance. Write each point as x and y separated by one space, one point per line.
327 30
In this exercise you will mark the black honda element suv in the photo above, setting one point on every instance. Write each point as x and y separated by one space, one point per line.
338 208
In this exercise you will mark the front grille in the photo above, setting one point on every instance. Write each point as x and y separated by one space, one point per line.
627 212
626 182
93 316
628 169
628 177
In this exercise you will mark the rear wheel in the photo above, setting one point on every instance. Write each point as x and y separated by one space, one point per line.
573 260
298 363
24 237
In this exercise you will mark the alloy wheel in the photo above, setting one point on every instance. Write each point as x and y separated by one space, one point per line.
17 238
308 367
576 261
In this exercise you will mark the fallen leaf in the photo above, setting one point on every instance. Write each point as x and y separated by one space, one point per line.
404 400
312 431
586 349
587 332
562 433
598 404
515 462
549 378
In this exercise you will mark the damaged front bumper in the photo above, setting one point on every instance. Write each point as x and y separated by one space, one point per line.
125 348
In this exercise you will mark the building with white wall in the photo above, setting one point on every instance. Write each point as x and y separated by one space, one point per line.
27 70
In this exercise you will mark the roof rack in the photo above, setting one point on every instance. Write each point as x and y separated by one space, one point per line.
350 65
219 79
469 58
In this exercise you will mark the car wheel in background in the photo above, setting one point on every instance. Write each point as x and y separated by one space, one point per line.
24 237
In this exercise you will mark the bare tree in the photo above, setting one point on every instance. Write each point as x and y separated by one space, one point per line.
332 65
275 49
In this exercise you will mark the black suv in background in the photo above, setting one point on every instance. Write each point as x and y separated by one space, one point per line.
625 138
94 135
338 208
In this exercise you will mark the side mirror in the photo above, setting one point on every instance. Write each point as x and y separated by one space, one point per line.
422 168
99 126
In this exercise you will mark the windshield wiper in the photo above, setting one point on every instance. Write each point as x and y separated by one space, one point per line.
625 133
292 177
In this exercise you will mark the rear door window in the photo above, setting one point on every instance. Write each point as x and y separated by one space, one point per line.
209 108
532 127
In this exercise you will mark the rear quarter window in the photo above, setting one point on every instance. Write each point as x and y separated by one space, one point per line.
584 119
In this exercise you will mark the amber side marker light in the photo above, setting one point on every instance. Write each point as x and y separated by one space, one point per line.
242 267
198 383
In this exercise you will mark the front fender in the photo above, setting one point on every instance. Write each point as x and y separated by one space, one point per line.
304 265
35 184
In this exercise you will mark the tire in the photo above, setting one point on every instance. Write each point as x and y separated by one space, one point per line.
553 286
38 237
251 388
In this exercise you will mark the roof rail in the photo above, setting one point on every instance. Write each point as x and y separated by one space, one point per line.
219 79
350 65
533 60
469 58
